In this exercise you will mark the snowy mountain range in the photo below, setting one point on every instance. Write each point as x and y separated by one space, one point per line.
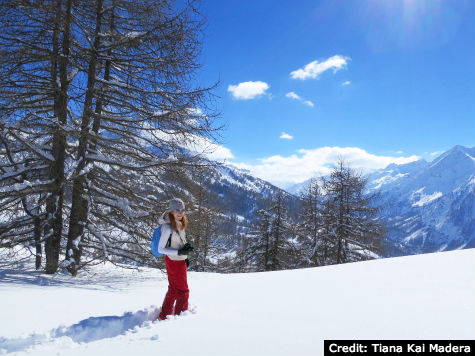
240 193
427 206
234 192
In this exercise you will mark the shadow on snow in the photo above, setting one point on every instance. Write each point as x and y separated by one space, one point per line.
20 272
87 330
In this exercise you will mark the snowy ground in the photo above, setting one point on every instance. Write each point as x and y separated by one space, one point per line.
109 311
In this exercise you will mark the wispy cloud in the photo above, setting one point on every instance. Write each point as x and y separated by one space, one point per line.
248 90
346 83
315 68
286 136
292 95
287 170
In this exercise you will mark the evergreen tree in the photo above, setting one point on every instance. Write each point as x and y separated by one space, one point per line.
278 236
255 250
311 225
270 245
350 219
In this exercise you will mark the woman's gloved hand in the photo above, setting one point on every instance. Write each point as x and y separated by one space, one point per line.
185 249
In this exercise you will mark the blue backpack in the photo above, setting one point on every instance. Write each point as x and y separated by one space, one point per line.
156 240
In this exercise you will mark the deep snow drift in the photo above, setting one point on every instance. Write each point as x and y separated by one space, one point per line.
110 311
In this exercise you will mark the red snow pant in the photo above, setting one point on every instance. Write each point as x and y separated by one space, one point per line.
177 288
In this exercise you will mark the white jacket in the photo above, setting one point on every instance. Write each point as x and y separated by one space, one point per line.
178 239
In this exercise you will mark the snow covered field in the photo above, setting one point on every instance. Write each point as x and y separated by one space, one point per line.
109 311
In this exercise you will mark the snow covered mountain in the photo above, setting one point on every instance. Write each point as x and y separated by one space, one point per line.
429 206
234 192
240 193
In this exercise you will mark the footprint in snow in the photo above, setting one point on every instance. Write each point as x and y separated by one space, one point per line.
87 330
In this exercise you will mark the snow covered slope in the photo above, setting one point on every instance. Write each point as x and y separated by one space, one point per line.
240 193
110 311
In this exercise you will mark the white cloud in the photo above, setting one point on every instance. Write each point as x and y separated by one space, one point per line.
286 136
293 95
248 90
315 68
208 148
285 171
346 83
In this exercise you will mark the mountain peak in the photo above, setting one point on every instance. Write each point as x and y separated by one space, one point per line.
429 208
460 149
457 153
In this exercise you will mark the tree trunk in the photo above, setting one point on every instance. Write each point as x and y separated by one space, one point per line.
204 244
37 237
79 205
54 205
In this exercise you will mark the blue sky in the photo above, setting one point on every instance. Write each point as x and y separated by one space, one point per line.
374 81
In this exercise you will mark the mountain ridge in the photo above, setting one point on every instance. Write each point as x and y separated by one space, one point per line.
430 208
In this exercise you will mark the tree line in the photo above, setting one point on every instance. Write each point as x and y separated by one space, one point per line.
336 223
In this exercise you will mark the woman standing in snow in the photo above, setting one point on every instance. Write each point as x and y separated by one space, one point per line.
174 246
